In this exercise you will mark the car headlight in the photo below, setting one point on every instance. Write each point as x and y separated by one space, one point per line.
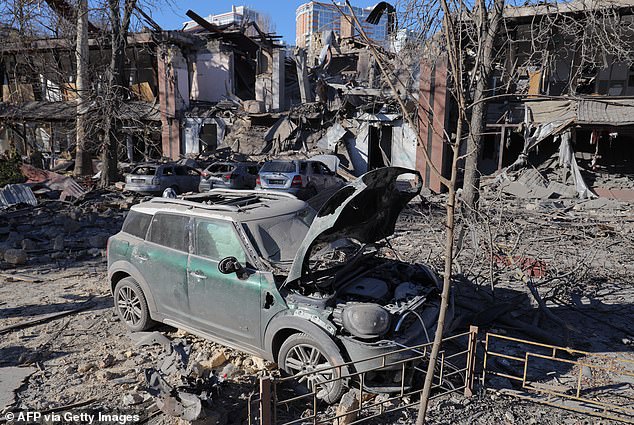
365 320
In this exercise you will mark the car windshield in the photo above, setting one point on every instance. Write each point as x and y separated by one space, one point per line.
278 238
220 168
278 167
144 170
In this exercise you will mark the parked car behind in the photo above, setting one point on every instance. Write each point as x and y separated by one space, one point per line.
229 175
302 178
267 274
155 178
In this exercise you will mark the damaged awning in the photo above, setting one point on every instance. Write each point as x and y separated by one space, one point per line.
545 118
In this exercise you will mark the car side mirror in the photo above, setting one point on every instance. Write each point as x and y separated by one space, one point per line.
230 265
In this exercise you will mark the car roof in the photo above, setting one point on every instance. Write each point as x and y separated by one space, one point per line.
236 163
159 164
234 205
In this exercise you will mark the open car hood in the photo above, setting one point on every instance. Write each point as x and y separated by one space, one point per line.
365 210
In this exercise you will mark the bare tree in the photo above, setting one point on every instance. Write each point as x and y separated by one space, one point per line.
476 38
486 23
120 16
83 164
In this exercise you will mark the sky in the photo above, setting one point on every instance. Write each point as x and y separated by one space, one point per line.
282 12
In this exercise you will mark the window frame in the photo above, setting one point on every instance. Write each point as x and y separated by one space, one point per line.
237 228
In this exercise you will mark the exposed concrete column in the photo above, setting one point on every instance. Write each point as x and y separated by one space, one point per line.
432 120
302 75
173 82
278 81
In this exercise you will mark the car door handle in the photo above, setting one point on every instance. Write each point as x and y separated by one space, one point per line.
141 257
198 275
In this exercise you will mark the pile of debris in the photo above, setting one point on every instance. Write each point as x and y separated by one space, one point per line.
181 389
42 231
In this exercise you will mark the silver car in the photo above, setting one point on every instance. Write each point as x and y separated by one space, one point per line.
302 178
229 175
155 178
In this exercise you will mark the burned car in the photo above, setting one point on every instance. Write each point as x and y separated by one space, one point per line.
155 178
229 175
268 274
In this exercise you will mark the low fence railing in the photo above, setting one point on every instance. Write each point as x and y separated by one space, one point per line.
455 371
583 382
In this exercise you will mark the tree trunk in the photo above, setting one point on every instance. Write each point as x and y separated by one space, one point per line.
446 285
490 23
116 89
83 163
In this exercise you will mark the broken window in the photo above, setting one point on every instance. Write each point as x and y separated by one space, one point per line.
218 240
208 138
278 167
144 171
278 239
380 147
221 168
170 231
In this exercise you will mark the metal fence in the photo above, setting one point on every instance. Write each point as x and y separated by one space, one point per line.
588 383
455 371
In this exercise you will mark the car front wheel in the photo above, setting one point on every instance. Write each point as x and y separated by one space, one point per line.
131 305
303 356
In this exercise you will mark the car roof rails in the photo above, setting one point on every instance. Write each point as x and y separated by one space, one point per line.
182 202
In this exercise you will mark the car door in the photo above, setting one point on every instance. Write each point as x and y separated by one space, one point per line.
168 178
193 179
162 260
223 304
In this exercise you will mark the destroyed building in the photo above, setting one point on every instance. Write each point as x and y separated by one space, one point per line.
177 81
207 87
562 104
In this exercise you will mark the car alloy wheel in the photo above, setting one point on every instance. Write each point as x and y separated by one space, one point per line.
131 305
311 360
305 358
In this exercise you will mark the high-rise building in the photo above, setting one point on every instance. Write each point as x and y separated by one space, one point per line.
237 16
316 17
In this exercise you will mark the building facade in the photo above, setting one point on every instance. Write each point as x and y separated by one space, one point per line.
316 17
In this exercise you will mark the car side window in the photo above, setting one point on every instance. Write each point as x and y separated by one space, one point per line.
136 224
217 240
181 171
324 169
315 167
171 231
192 172
168 171
303 167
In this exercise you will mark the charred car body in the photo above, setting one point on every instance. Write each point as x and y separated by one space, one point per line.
265 273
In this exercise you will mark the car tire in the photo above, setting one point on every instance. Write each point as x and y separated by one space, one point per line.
296 357
176 189
131 306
